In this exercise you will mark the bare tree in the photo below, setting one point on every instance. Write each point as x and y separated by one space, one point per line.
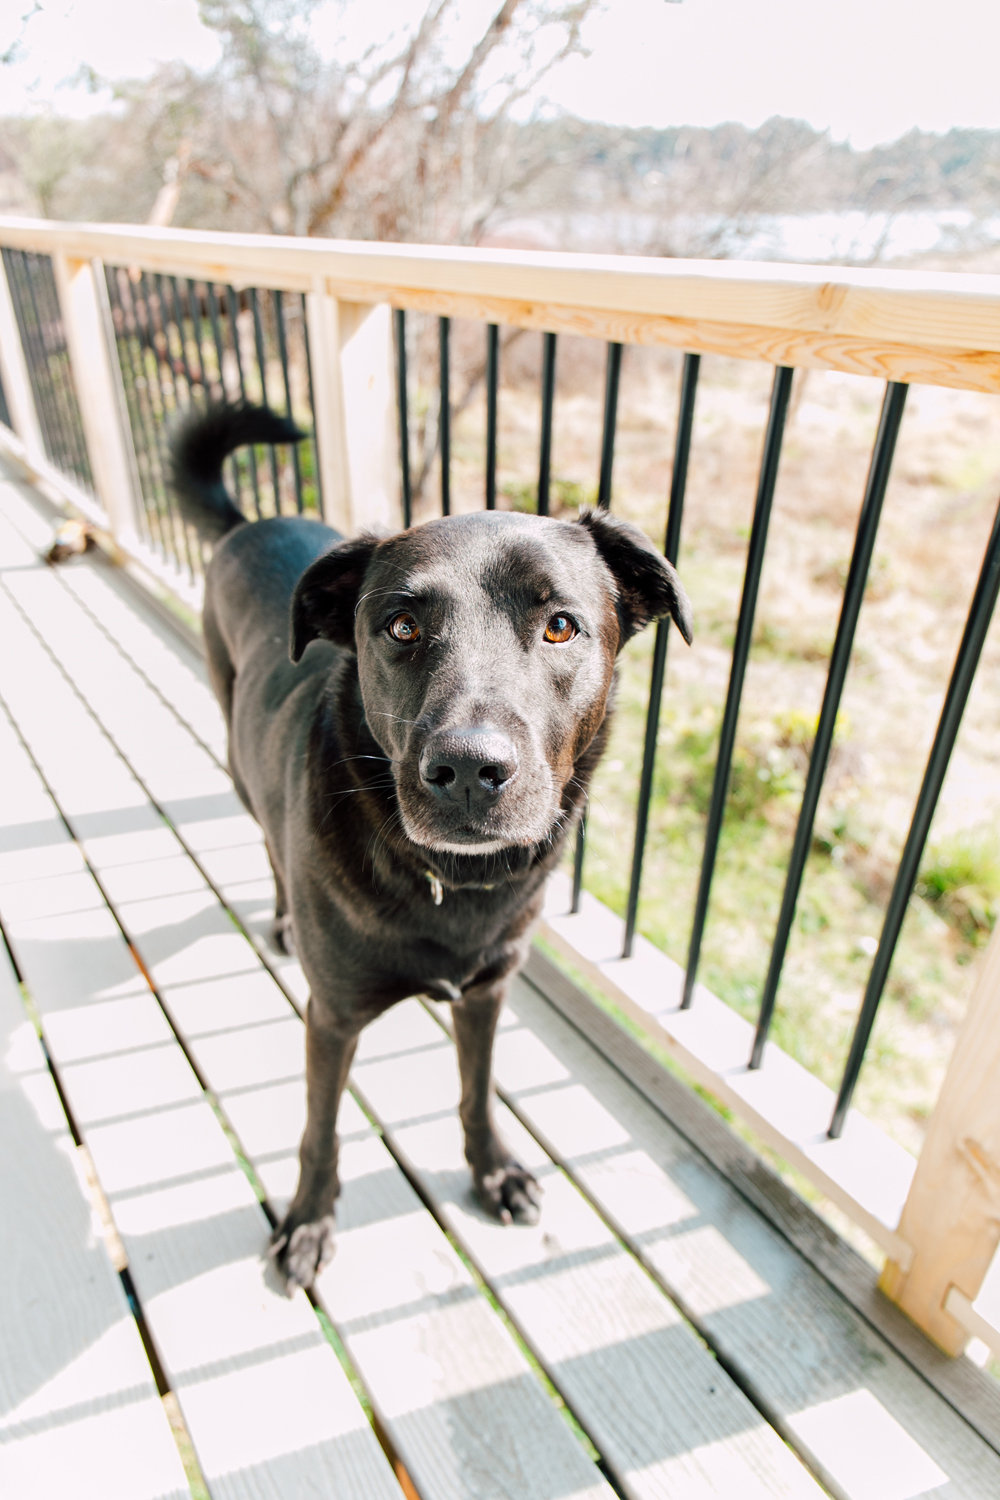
398 142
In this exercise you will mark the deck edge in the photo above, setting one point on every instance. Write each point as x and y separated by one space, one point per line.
971 1392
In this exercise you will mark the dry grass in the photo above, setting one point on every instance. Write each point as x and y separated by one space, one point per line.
937 515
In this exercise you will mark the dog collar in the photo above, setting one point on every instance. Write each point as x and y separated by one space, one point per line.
437 889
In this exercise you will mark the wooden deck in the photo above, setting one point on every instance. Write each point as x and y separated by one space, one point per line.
655 1335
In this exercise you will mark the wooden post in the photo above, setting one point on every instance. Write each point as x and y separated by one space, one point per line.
96 383
370 413
14 373
952 1214
350 351
323 320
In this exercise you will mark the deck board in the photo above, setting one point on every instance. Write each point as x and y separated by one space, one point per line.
269 1409
666 1417
76 1391
459 1399
815 1363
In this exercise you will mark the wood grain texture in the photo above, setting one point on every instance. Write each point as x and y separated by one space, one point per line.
468 1417
76 1391
665 1416
973 1393
937 327
800 1346
952 1213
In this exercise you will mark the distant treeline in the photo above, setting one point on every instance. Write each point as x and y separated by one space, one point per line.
169 152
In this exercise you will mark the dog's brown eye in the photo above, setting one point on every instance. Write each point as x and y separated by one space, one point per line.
559 629
404 628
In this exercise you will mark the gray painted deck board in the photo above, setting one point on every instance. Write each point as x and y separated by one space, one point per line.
818 1368
76 1391
668 1420
971 1391
269 1409
467 1415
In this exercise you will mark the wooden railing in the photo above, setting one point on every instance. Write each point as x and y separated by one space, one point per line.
937 1219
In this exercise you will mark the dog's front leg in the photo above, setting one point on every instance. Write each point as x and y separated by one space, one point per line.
505 1187
303 1243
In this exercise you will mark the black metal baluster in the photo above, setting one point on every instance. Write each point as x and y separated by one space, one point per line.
179 322
147 351
611 383
548 403
192 541
62 434
123 354
444 412
42 382
194 304
16 264
177 522
279 316
147 453
578 853
671 546
218 338
854 592
61 450
402 403
195 381
741 651
492 381
258 335
160 418
314 439
234 308
980 614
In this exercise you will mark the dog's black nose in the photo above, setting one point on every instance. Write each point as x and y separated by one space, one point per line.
468 764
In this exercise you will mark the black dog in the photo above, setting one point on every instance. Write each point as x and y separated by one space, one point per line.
415 765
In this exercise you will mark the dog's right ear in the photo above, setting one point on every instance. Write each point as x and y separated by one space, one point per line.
326 596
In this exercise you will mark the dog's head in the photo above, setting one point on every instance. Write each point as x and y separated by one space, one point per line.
486 647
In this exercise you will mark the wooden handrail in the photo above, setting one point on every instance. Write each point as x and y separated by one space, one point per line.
939 328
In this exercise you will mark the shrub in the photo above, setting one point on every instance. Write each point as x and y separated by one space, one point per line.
960 878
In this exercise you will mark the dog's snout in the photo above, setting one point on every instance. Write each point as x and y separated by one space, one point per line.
468 763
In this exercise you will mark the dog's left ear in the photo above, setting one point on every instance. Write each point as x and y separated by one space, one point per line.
648 586
326 596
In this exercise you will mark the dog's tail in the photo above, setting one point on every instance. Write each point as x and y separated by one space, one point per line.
197 450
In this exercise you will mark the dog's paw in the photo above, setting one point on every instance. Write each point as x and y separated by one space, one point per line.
509 1192
282 935
301 1253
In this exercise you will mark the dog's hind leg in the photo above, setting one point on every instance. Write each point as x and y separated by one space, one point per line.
222 675
282 933
303 1243
505 1188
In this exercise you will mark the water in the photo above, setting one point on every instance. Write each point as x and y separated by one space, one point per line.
852 236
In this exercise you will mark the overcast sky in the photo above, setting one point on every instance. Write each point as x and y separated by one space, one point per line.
868 70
